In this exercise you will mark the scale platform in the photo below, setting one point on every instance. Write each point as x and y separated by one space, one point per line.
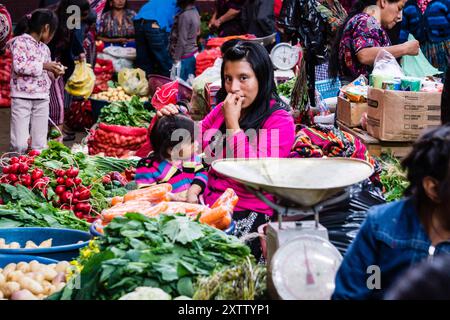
301 262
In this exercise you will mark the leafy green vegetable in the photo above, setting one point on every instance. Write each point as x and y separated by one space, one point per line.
26 209
126 113
168 252
285 88
393 178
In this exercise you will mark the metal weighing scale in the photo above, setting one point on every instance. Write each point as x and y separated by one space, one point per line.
284 58
302 263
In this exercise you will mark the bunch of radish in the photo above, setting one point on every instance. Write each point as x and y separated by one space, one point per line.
72 195
20 170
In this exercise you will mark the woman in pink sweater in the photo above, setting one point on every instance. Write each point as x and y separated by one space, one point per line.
252 122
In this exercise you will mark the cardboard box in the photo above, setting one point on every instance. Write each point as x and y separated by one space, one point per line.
401 115
350 113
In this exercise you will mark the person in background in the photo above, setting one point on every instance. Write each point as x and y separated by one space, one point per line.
363 35
398 235
152 26
116 26
445 100
32 70
174 160
251 103
429 280
183 38
429 22
333 16
257 17
226 18
5 28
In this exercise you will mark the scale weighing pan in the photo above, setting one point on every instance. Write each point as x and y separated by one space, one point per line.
304 181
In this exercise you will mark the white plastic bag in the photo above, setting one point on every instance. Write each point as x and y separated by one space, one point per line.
120 57
386 64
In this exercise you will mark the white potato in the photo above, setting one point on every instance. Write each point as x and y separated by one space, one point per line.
49 274
23 266
9 268
23 294
10 287
15 276
30 245
1 295
32 285
46 243
14 245
2 241
62 266
2 279
59 286
35 266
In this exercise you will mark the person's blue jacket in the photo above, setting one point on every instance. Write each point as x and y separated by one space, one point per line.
431 26
392 238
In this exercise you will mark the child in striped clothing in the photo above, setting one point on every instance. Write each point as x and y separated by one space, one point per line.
173 159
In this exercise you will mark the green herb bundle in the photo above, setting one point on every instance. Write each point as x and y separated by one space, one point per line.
126 113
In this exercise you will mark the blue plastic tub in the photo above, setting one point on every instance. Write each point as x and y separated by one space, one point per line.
6 259
231 228
64 246
94 231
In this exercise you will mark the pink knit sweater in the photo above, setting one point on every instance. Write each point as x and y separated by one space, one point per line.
276 138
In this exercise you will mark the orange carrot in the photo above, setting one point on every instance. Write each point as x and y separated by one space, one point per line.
228 199
213 216
116 200
156 193
224 223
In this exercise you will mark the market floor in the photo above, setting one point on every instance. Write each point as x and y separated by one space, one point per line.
5 115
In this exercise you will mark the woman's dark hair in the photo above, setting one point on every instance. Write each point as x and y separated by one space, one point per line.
36 21
430 157
357 8
184 3
428 280
222 93
108 6
161 135
256 55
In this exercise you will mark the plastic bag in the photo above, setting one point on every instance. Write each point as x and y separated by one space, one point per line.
386 64
81 82
418 66
175 72
120 57
133 81
166 94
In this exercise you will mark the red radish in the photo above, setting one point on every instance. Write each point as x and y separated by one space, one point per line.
77 181
37 174
23 158
1 201
85 194
33 153
60 173
72 172
61 181
75 200
106 180
83 206
65 207
26 179
66 197
16 183
14 168
79 214
46 179
69 183
30 161
39 183
60 189
23 168
5 170
76 194
12 177
14 160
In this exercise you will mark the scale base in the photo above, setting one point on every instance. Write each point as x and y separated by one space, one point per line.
283 75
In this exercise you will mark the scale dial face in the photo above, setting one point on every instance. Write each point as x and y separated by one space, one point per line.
284 56
305 269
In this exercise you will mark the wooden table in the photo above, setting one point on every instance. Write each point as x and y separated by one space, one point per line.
375 146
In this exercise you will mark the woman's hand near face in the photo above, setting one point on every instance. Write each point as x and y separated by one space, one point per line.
412 47
167 110
231 108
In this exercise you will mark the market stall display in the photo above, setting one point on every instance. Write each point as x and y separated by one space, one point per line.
5 77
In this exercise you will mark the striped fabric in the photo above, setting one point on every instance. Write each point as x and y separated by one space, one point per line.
150 171
57 102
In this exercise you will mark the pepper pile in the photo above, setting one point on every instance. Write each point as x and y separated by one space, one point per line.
5 77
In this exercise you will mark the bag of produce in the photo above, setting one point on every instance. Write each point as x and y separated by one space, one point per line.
79 116
5 77
133 81
81 82
103 71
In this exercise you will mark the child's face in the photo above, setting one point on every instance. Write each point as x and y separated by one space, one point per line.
47 36
184 151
